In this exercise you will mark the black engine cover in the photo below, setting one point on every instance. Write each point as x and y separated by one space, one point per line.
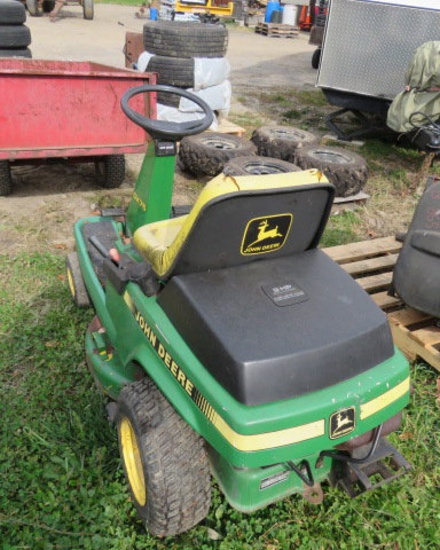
272 330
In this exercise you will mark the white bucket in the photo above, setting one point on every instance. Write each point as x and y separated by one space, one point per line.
289 14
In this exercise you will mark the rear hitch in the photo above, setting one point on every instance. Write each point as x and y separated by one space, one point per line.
356 476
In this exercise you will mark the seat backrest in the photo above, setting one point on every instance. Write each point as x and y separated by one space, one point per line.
259 217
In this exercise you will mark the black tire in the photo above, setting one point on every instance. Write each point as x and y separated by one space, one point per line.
12 12
207 154
110 171
183 39
14 36
75 281
173 71
48 5
346 170
23 52
165 461
281 141
32 7
245 166
316 58
88 9
5 178
171 100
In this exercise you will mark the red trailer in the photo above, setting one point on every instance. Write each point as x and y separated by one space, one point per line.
68 110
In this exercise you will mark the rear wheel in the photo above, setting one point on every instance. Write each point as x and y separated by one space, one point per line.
5 178
110 171
165 461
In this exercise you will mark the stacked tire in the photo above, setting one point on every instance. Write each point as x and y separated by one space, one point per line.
174 46
346 170
15 37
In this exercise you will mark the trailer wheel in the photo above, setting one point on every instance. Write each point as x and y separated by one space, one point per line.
75 280
14 36
316 58
88 9
32 7
206 154
244 166
346 170
5 178
110 171
281 141
12 12
164 461
183 39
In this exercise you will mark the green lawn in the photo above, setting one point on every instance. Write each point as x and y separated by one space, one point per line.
62 485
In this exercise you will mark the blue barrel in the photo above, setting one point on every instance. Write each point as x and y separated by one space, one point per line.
271 7
153 14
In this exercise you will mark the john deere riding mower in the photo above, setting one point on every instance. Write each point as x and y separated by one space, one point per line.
229 343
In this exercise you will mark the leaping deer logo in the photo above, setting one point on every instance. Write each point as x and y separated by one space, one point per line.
264 233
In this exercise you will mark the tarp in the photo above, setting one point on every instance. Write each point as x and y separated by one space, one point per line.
422 91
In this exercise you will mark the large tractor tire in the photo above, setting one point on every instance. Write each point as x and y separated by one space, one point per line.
281 141
110 171
252 166
5 178
165 461
12 12
346 170
183 39
207 154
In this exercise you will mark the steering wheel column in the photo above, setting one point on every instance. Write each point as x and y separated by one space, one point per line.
151 199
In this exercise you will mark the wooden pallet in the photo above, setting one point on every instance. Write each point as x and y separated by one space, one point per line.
228 127
278 30
371 264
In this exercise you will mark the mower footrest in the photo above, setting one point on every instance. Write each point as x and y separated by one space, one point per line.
385 465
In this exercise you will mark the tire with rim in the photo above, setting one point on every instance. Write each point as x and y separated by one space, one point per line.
14 36
165 461
346 170
88 9
12 12
245 166
173 71
32 7
19 52
5 178
207 154
183 39
110 171
281 141
75 281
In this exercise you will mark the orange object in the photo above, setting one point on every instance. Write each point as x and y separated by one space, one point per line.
305 19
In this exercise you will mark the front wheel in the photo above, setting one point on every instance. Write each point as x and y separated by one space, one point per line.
165 461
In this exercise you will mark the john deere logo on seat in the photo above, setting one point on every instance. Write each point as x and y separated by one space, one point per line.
342 423
266 234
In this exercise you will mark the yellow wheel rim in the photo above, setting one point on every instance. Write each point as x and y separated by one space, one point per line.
131 456
71 283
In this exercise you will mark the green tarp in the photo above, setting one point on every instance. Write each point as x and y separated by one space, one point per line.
422 92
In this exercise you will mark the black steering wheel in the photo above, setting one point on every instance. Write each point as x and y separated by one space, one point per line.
172 131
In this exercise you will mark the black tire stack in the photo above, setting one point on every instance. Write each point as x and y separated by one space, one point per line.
15 37
174 45
346 170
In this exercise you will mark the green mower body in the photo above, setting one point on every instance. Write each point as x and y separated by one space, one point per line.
283 365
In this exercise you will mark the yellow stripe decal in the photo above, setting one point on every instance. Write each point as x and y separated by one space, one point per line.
379 403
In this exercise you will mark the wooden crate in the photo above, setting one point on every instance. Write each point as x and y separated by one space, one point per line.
371 264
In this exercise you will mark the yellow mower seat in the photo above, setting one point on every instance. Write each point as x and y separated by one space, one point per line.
240 219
